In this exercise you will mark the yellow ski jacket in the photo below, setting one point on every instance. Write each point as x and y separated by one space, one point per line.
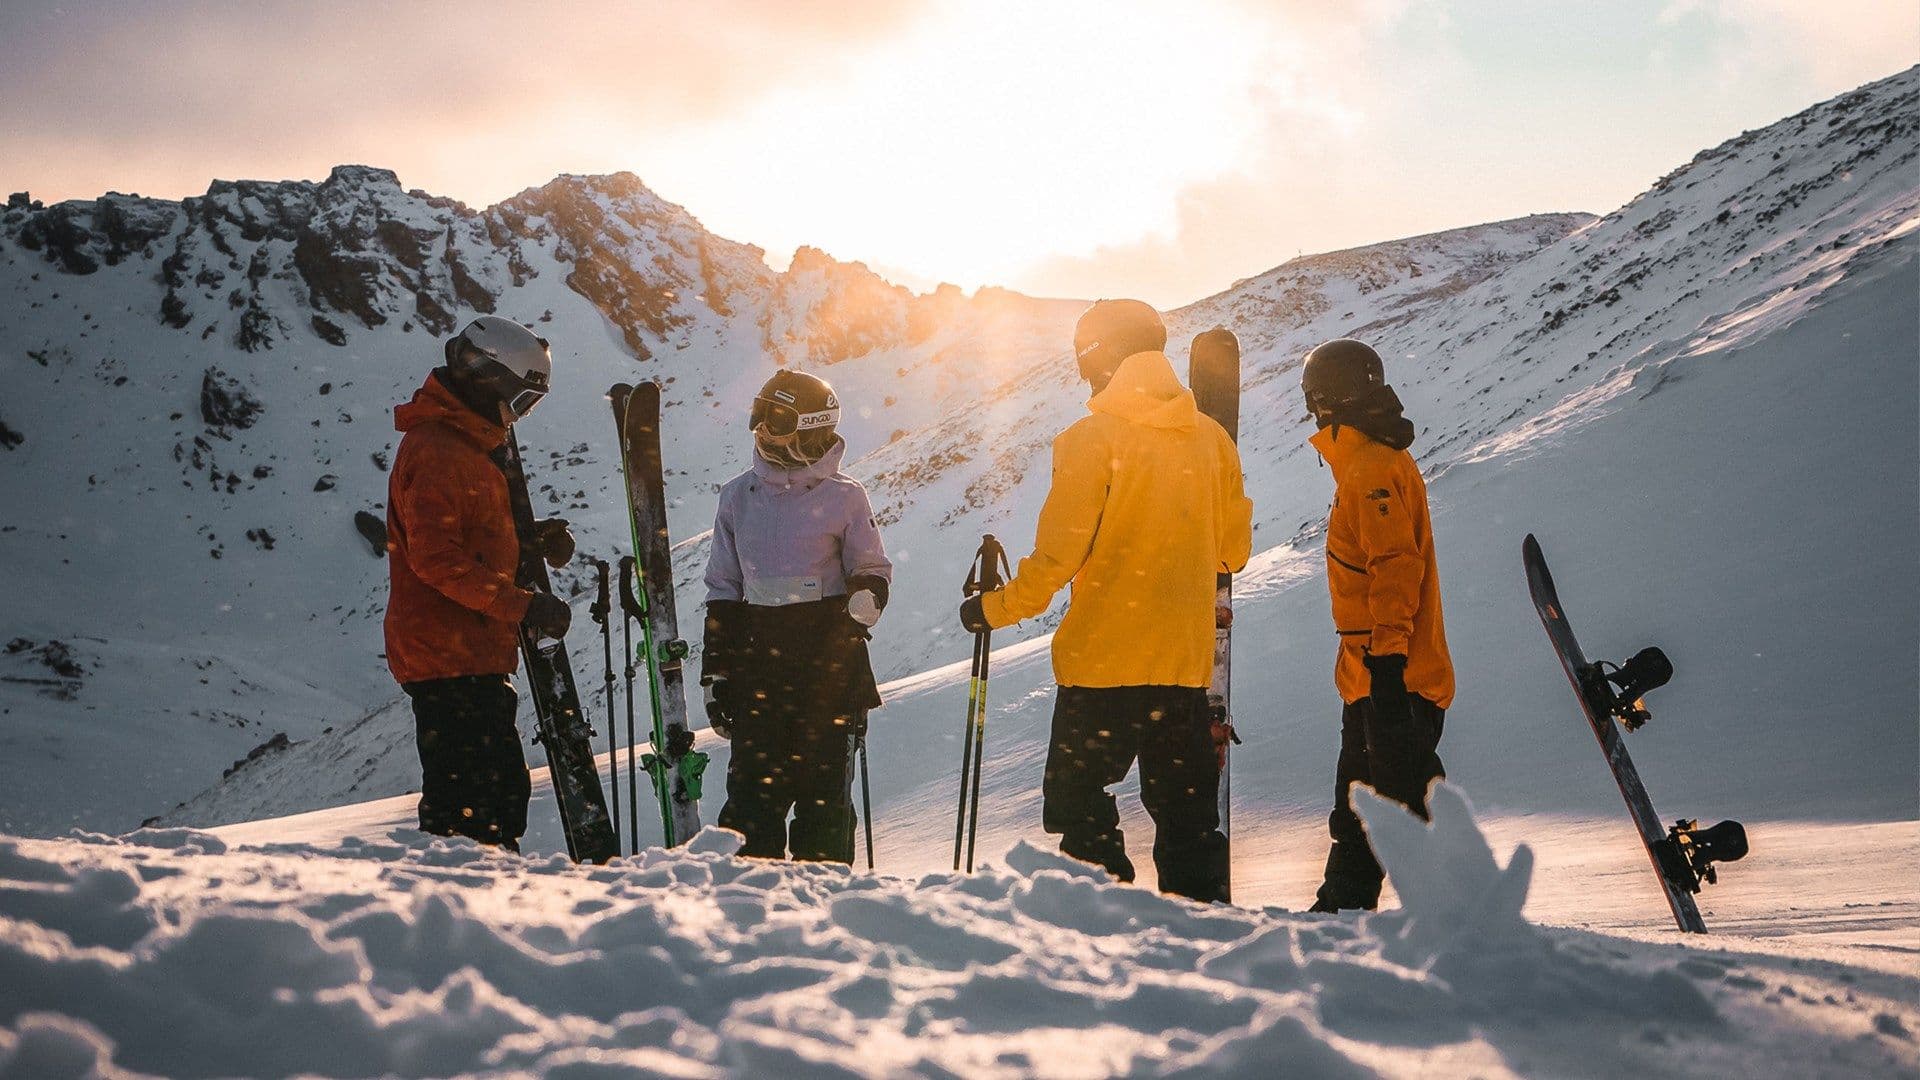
1147 505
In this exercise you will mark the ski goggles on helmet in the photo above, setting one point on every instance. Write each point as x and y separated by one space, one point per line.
783 419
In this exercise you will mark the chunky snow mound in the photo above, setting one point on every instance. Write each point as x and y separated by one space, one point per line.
165 952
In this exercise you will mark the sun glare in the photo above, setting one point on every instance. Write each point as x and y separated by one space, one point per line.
985 140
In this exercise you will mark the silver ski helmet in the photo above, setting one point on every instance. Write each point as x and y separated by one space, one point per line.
1340 373
1109 332
508 361
794 418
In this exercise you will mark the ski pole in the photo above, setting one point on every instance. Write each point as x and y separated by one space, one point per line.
966 752
866 797
984 576
603 608
629 611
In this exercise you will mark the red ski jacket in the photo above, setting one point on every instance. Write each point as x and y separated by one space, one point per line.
453 607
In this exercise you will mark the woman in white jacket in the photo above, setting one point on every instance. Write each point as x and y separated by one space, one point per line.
797 577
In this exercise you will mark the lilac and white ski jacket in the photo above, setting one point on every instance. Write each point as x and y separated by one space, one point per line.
790 536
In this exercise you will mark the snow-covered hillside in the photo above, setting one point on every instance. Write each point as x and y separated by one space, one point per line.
197 406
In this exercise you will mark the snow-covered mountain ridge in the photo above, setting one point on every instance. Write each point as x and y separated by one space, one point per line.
1504 339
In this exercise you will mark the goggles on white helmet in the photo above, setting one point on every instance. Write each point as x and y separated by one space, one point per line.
510 361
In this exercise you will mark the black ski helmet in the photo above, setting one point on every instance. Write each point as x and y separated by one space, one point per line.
1340 372
1109 332
797 407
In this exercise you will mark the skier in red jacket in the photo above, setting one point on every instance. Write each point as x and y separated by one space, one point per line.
453 607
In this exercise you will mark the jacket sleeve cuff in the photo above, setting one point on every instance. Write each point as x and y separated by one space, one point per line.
510 606
993 608
1389 641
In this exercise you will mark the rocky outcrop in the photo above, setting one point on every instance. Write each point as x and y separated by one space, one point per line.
225 403
257 261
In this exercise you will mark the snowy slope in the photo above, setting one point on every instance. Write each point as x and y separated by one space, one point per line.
197 403
170 952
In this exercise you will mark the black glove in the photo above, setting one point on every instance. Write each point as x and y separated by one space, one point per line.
1389 690
547 616
719 706
972 616
554 540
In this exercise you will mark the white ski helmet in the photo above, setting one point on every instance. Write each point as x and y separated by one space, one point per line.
507 359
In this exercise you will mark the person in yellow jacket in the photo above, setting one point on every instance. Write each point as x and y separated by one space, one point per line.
1393 671
1147 504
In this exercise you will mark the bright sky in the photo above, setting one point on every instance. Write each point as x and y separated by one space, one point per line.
1074 148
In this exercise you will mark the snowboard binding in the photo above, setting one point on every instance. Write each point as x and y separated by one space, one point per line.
1619 688
1688 853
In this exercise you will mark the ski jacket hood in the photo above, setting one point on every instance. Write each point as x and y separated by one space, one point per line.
453 607
1382 576
435 403
1145 390
806 478
793 536
1146 506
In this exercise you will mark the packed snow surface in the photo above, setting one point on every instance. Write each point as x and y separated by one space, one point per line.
169 952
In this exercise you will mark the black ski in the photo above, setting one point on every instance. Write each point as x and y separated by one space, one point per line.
1683 855
1213 373
563 727
675 766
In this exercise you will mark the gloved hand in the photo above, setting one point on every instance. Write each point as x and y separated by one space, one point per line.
1223 734
719 707
548 616
554 539
1389 690
866 598
972 616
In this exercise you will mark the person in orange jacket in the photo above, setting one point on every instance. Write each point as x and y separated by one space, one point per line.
1392 671
453 606
1147 505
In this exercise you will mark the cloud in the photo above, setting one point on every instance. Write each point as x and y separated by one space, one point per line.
92 94
1390 120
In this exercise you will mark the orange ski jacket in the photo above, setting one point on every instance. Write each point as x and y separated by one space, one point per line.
1147 505
1381 571
453 608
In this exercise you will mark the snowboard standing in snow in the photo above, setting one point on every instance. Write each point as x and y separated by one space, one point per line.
562 724
675 766
1213 374
1683 856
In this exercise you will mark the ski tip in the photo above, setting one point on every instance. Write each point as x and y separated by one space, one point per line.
1530 546
618 393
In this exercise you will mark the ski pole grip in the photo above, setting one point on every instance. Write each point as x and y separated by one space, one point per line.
993 560
629 604
602 605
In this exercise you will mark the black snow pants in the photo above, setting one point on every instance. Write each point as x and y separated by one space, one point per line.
473 776
800 684
1097 734
798 764
1398 760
